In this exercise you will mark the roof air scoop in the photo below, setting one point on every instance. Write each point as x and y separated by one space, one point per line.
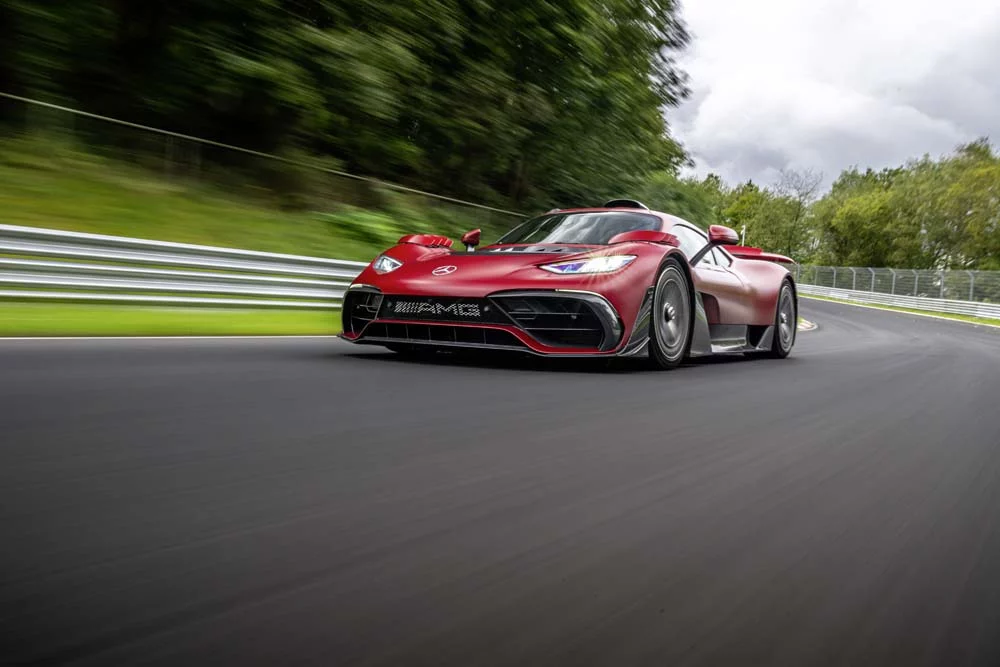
625 203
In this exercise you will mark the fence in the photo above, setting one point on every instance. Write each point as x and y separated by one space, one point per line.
44 264
955 285
975 293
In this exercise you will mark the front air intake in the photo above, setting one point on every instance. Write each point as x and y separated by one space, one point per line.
562 320
360 308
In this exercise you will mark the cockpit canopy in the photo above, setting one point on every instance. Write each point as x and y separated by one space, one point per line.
585 227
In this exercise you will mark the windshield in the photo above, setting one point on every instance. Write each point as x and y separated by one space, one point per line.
588 228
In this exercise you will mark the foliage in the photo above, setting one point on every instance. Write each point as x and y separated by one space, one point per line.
926 214
692 200
519 103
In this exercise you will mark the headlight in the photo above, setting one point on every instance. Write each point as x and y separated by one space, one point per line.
385 264
605 264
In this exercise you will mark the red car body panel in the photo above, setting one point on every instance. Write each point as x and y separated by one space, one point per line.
745 293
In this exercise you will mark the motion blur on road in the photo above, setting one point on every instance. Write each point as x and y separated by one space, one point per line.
299 501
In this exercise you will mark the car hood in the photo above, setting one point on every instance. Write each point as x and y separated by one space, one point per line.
440 273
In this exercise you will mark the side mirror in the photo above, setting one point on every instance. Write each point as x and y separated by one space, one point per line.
719 235
471 239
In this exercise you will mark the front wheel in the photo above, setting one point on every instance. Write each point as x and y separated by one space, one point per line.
786 323
670 323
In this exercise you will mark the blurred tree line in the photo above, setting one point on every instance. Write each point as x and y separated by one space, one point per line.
518 103
926 214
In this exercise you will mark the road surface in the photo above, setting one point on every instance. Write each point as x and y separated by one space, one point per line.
306 502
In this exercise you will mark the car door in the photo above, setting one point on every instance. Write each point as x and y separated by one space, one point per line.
725 296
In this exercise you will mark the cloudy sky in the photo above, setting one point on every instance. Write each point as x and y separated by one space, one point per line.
826 84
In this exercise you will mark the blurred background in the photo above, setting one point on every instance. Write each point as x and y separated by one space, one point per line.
512 105
329 128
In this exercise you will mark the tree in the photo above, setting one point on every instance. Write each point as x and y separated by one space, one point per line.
792 229
692 200
926 214
519 103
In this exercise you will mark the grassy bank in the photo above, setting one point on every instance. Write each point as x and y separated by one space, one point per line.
62 319
48 182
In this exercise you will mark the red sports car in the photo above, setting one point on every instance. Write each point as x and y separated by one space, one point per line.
620 280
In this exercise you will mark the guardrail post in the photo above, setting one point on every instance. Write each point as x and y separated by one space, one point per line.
834 276
972 285
916 281
941 273
893 289
854 279
873 278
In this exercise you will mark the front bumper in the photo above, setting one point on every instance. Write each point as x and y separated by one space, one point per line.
544 322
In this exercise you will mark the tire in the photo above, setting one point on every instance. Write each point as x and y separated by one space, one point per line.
786 322
671 321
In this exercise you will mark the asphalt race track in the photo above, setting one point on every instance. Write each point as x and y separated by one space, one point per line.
306 502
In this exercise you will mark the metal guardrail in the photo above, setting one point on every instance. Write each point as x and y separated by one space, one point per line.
972 308
54 265
43 264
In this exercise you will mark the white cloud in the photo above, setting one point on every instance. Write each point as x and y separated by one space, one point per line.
827 84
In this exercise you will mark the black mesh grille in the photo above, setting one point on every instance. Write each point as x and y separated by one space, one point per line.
555 321
360 308
441 333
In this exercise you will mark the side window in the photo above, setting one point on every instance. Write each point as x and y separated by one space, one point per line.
721 258
691 241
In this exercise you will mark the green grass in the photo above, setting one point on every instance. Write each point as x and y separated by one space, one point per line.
948 316
49 182
62 319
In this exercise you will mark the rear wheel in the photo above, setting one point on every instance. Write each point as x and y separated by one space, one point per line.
670 324
786 323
